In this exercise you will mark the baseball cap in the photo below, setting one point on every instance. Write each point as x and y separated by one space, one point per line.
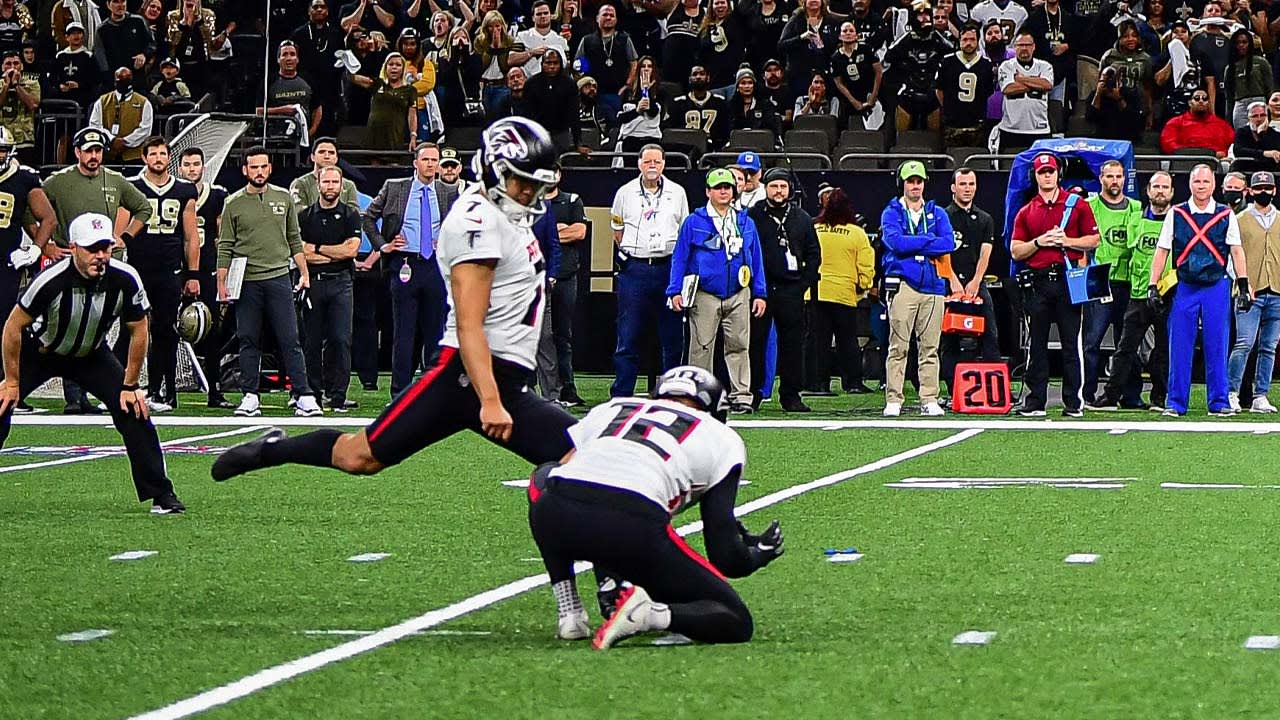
748 161
91 137
90 229
1044 160
912 168
171 61
771 63
719 177
1262 178
449 156
72 26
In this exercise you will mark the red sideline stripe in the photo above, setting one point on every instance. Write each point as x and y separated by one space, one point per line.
693 554
446 354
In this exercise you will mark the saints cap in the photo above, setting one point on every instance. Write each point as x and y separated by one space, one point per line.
91 137
449 156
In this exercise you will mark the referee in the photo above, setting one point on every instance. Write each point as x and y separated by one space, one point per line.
58 329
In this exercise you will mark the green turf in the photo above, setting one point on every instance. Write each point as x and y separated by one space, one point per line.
1153 631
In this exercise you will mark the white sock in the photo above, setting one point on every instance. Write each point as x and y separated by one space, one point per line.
567 600
659 616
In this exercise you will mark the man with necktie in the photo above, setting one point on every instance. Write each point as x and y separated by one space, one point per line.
410 215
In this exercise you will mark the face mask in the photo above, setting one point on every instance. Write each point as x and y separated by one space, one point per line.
1263 198
699 85
1232 197
124 87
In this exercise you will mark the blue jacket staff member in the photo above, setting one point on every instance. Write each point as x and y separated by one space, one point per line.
916 234
1200 234
720 245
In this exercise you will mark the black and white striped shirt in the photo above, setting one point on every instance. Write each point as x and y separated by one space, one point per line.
73 313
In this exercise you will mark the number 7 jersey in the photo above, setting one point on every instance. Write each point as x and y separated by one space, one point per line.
476 230
662 450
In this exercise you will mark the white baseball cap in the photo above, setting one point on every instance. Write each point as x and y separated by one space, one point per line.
91 229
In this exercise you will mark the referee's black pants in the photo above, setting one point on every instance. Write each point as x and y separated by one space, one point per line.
1048 303
101 374
632 538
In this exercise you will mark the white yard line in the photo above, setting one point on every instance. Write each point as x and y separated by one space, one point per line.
278 674
119 450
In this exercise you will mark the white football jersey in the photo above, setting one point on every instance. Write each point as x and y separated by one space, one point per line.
475 229
663 450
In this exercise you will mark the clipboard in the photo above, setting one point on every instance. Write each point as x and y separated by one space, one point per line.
235 277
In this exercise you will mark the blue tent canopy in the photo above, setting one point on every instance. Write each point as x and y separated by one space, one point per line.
1081 159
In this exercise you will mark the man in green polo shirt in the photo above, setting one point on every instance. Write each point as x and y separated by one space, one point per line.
260 224
305 189
1114 213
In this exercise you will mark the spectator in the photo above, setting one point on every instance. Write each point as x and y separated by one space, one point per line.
75 74
573 27
790 256
16 25
1211 50
1010 15
721 248
193 36
84 12
369 14
995 48
494 46
590 114
1132 66
611 58
817 102
170 87
723 45
965 81
643 105
1259 325
807 42
912 63
857 74
942 16
552 97
1115 111
845 276
538 39
367 61
437 41
1257 144
126 115
153 14
777 91
317 40
1235 191
1057 33
1273 110
680 51
289 96
421 73
19 101
1025 83
517 102
124 41
305 189
1197 128
646 217
701 109
916 234
1248 77
459 79
752 190
393 115
747 112
764 22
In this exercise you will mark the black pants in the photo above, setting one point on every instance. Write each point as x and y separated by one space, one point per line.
1049 303
1126 366
633 538
101 374
564 300
829 319
328 337
785 309
366 289
212 348
164 290
269 302
419 307
954 347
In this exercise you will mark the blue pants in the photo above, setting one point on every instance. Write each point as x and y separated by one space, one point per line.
642 301
418 310
1210 306
1259 327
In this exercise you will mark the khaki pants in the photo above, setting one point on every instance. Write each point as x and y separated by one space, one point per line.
913 314
709 314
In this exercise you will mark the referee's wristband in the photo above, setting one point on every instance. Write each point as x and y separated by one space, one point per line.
129 388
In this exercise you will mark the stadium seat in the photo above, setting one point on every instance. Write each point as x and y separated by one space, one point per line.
805 163
872 140
691 142
463 138
961 154
757 140
826 123
1196 157
1078 126
352 137
841 150
920 139
807 141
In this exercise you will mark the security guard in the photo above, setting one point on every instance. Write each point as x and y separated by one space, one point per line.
44 337
1051 233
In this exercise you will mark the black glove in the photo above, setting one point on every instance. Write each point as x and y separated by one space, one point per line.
765 547
1243 301
1153 298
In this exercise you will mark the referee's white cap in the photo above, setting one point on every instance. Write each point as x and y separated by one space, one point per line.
91 229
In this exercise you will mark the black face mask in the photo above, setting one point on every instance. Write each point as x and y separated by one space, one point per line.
1232 197
699 85
124 87
1263 198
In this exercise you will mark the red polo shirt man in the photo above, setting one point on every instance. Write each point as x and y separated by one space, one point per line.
1044 243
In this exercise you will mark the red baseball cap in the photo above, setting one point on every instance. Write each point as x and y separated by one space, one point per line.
1044 160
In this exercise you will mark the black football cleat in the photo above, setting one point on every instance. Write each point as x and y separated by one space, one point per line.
245 457
168 505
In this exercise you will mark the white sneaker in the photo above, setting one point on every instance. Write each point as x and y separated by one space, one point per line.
249 406
307 407
157 407
575 626
932 409
1233 400
892 409
635 614
1262 405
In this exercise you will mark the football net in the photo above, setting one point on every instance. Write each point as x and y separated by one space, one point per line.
190 375
215 134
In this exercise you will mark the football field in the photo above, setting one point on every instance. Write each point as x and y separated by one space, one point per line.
251 608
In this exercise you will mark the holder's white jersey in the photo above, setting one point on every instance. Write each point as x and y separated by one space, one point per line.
475 229
663 450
